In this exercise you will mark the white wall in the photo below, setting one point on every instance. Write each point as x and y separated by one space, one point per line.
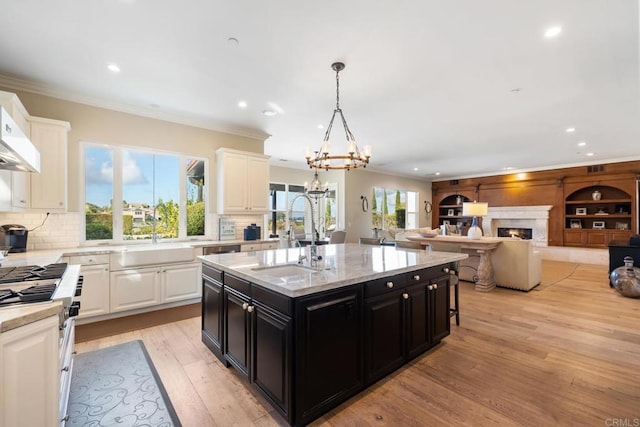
353 184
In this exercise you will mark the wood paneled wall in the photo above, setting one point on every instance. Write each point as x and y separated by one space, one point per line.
549 187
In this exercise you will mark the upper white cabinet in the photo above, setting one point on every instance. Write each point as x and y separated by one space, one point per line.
46 190
49 187
15 186
243 182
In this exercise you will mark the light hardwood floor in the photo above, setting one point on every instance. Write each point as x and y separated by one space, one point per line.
567 354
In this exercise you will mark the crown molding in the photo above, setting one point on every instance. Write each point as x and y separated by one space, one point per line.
45 90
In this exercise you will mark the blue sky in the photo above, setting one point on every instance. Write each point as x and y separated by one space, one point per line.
138 176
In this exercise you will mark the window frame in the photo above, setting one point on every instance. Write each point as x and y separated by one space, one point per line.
117 193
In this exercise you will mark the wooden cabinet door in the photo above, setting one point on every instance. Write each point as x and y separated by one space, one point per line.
236 330
212 312
29 374
384 335
235 185
417 320
329 351
596 238
258 182
95 298
271 361
439 303
49 187
134 289
181 282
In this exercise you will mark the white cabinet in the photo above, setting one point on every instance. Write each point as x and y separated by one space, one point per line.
95 297
145 287
29 374
181 282
135 288
14 186
243 182
49 187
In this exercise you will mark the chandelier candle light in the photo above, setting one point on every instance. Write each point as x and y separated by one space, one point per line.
354 157
475 209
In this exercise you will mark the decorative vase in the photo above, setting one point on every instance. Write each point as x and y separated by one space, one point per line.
596 195
458 200
626 279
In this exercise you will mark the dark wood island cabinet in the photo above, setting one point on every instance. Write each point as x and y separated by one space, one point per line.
309 353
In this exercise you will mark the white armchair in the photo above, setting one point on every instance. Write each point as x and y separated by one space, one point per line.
516 264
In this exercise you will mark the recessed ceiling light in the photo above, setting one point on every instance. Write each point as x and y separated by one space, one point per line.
581 144
437 173
415 169
269 112
233 41
113 67
590 154
552 32
570 130
242 104
507 168
320 127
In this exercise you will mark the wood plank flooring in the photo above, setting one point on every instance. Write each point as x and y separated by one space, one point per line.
566 354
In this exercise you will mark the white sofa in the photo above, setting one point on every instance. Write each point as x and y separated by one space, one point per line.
516 264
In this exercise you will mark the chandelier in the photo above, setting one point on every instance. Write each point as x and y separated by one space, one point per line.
326 159
316 190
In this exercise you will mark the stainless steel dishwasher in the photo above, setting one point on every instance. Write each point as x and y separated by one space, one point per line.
220 249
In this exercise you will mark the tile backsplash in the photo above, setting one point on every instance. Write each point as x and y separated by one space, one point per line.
62 230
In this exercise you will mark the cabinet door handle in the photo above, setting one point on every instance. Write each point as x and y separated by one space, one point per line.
250 309
430 287
389 285
245 305
405 295
435 286
446 269
452 272
416 277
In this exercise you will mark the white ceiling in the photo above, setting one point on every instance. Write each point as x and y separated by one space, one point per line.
460 87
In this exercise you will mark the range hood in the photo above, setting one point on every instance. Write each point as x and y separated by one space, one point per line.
16 151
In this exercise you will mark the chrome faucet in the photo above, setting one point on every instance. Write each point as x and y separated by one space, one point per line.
313 260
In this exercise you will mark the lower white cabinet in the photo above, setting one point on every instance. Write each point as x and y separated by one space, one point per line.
29 374
181 282
144 287
95 298
135 288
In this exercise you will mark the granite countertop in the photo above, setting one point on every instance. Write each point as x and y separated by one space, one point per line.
20 315
342 265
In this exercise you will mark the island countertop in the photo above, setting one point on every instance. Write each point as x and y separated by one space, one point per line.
341 265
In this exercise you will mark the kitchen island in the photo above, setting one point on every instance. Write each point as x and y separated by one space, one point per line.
309 337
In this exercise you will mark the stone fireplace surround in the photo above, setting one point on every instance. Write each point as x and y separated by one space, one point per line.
534 217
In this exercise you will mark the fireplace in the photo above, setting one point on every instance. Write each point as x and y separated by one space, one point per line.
535 218
515 232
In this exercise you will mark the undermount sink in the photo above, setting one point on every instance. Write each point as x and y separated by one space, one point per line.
287 269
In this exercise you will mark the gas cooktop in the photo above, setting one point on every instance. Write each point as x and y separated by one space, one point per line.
31 273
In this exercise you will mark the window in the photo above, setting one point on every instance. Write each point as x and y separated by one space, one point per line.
393 209
138 195
280 198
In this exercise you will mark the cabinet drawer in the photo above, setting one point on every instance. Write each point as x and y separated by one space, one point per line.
381 286
212 273
424 275
251 247
270 245
89 259
238 284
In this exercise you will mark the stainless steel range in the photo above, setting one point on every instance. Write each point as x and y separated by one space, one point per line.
42 285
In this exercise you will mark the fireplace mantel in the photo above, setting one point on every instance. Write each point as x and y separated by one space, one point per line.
534 217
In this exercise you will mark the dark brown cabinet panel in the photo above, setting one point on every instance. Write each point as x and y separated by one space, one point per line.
329 351
212 311
237 329
439 301
272 356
